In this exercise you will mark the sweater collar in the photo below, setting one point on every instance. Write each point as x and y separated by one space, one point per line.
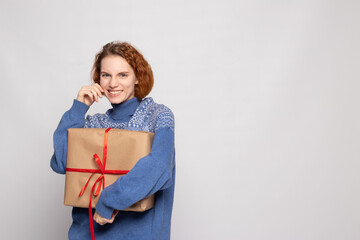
125 109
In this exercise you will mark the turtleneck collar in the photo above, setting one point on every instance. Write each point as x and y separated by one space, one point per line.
124 110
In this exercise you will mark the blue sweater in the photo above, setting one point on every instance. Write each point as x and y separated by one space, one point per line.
154 173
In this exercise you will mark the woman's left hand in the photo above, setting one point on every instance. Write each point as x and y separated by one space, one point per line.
100 220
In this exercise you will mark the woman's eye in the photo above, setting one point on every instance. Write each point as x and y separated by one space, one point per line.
123 75
105 75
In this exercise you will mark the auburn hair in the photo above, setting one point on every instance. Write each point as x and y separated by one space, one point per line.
135 59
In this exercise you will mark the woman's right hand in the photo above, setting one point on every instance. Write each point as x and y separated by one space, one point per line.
89 94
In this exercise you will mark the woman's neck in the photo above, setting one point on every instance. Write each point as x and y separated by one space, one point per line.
124 110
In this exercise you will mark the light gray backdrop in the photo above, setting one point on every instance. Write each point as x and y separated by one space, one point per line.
266 99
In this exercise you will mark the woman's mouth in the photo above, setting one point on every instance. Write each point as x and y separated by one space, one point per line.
114 93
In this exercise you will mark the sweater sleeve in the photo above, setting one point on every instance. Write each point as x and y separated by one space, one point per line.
150 174
73 118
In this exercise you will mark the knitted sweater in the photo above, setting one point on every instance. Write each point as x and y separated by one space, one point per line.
154 173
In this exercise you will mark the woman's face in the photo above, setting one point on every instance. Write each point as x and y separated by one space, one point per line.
117 78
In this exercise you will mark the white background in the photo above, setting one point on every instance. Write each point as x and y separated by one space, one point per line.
265 95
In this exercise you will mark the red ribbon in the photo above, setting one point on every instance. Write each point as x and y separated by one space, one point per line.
100 180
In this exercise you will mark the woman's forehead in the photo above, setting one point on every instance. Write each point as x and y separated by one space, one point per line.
114 64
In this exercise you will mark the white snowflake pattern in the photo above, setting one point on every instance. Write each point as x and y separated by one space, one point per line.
149 117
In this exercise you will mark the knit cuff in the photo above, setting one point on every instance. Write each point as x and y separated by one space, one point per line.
104 211
78 109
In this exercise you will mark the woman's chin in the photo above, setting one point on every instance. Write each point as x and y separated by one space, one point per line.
118 99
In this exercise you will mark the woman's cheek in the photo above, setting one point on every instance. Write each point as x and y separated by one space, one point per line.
103 83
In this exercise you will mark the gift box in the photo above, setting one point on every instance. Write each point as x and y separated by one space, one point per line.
97 157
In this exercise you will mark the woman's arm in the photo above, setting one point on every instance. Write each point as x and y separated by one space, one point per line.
151 173
74 118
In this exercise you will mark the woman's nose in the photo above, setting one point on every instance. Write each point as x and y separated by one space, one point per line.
114 82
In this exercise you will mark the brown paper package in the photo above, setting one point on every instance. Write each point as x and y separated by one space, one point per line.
124 149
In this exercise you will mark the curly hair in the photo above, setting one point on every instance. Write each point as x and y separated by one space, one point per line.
135 59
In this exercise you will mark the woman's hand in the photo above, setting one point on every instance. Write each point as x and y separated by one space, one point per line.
89 94
100 220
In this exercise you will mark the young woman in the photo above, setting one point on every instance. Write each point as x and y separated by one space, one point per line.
124 77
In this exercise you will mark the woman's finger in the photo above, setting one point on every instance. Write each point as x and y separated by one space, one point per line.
94 94
87 92
97 90
91 93
100 220
98 87
86 95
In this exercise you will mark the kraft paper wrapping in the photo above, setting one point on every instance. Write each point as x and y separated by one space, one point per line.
124 149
